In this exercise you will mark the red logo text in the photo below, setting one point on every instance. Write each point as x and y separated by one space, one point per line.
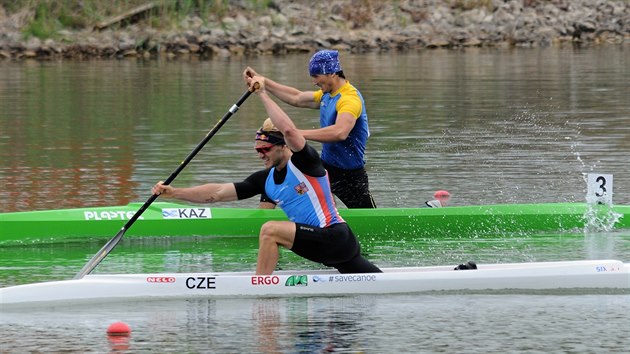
265 280
160 279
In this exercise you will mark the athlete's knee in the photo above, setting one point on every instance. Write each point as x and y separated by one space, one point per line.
268 231
271 231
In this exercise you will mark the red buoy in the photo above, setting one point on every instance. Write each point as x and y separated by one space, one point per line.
118 329
441 194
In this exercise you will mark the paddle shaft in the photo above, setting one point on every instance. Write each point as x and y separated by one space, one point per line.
109 246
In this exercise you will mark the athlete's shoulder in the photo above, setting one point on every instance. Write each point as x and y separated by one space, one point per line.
349 89
349 92
317 95
350 100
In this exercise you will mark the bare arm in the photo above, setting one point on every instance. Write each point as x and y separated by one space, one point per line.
295 141
266 205
286 94
332 133
206 193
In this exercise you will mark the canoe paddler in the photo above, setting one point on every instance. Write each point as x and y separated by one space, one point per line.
296 180
343 122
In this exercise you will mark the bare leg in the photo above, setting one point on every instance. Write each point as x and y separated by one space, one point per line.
272 235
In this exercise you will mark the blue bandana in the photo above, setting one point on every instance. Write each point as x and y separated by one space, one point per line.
324 62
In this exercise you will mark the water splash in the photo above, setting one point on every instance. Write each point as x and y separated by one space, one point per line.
600 218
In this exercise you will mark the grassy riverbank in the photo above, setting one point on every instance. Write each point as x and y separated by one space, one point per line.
44 18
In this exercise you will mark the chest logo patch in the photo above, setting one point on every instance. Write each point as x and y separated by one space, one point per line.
301 188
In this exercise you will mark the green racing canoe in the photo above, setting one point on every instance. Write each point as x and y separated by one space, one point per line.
172 219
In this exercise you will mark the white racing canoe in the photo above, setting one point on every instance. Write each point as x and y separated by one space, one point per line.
600 275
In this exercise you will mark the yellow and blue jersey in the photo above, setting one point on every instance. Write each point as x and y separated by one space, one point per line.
348 154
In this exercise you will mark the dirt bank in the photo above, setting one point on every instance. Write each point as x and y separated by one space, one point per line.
285 26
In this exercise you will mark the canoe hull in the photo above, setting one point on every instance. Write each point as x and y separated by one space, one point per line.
170 219
603 275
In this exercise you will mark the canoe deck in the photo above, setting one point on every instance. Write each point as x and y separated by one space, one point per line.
602 275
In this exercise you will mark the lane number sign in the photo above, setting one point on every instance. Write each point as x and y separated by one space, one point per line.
599 188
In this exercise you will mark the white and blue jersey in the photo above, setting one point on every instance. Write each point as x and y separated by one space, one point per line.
305 199
303 193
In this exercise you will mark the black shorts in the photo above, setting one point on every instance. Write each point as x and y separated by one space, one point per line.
334 246
350 186
330 245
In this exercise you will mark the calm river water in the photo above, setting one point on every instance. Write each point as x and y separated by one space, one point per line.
491 126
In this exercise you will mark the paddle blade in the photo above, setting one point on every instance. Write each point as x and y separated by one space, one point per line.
101 254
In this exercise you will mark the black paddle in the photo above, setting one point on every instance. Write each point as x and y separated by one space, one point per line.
109 246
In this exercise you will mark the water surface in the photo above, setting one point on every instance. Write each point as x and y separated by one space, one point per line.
490 126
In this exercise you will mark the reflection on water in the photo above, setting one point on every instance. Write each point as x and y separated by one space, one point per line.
370 324
33 263
489 125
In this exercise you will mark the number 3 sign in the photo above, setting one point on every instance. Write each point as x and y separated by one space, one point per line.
599 188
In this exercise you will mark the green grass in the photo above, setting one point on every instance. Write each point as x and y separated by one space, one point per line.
51 16
47 17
